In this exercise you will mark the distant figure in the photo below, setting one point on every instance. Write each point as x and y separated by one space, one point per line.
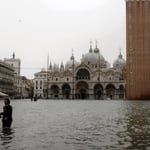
31 98
7 114
35 98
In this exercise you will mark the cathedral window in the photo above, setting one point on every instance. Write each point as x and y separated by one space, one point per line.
83 74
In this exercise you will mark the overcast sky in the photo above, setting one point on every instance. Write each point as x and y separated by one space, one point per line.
35 28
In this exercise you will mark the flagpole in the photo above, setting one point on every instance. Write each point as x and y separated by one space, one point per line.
47 74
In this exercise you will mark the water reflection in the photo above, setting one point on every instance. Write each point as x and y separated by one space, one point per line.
6 136
138 125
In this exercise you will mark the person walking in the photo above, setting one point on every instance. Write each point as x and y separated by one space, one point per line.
7 114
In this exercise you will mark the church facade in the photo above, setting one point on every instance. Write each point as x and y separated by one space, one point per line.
92 78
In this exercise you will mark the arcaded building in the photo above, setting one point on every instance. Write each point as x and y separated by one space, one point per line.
6 78
91 78
138 49
16 65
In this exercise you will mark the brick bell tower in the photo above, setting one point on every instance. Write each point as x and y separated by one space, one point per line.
138 49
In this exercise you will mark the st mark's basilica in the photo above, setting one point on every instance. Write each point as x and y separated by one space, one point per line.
91 78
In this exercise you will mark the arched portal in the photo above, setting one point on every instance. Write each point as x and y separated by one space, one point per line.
55 91
82 90
66 90
110 91
83 74
98 91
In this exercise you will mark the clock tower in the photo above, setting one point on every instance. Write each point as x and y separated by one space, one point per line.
138 49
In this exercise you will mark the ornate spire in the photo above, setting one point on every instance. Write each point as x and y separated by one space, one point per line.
96 50
120 55
61 66
90 50
50 66
13 55
72 57
96 43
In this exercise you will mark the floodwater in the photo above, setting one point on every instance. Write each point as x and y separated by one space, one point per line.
77 125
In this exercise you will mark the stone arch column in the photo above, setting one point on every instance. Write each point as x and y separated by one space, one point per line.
110 91
66 91
98 91
55 92
82 90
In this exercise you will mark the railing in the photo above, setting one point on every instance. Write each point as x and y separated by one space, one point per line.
82 78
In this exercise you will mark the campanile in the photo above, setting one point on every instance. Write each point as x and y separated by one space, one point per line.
138 49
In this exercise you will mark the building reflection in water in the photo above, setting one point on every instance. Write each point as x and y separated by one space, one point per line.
138 126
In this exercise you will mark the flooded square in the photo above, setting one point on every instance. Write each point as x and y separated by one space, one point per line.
77 125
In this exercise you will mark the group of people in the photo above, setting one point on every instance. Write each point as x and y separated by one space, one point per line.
6 115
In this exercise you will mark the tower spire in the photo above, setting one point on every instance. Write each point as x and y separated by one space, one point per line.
90 50
96 50
120 55
96 43
13 55
72 57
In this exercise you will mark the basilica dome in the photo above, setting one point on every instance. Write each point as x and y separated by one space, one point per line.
119 62
70 62
93 57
